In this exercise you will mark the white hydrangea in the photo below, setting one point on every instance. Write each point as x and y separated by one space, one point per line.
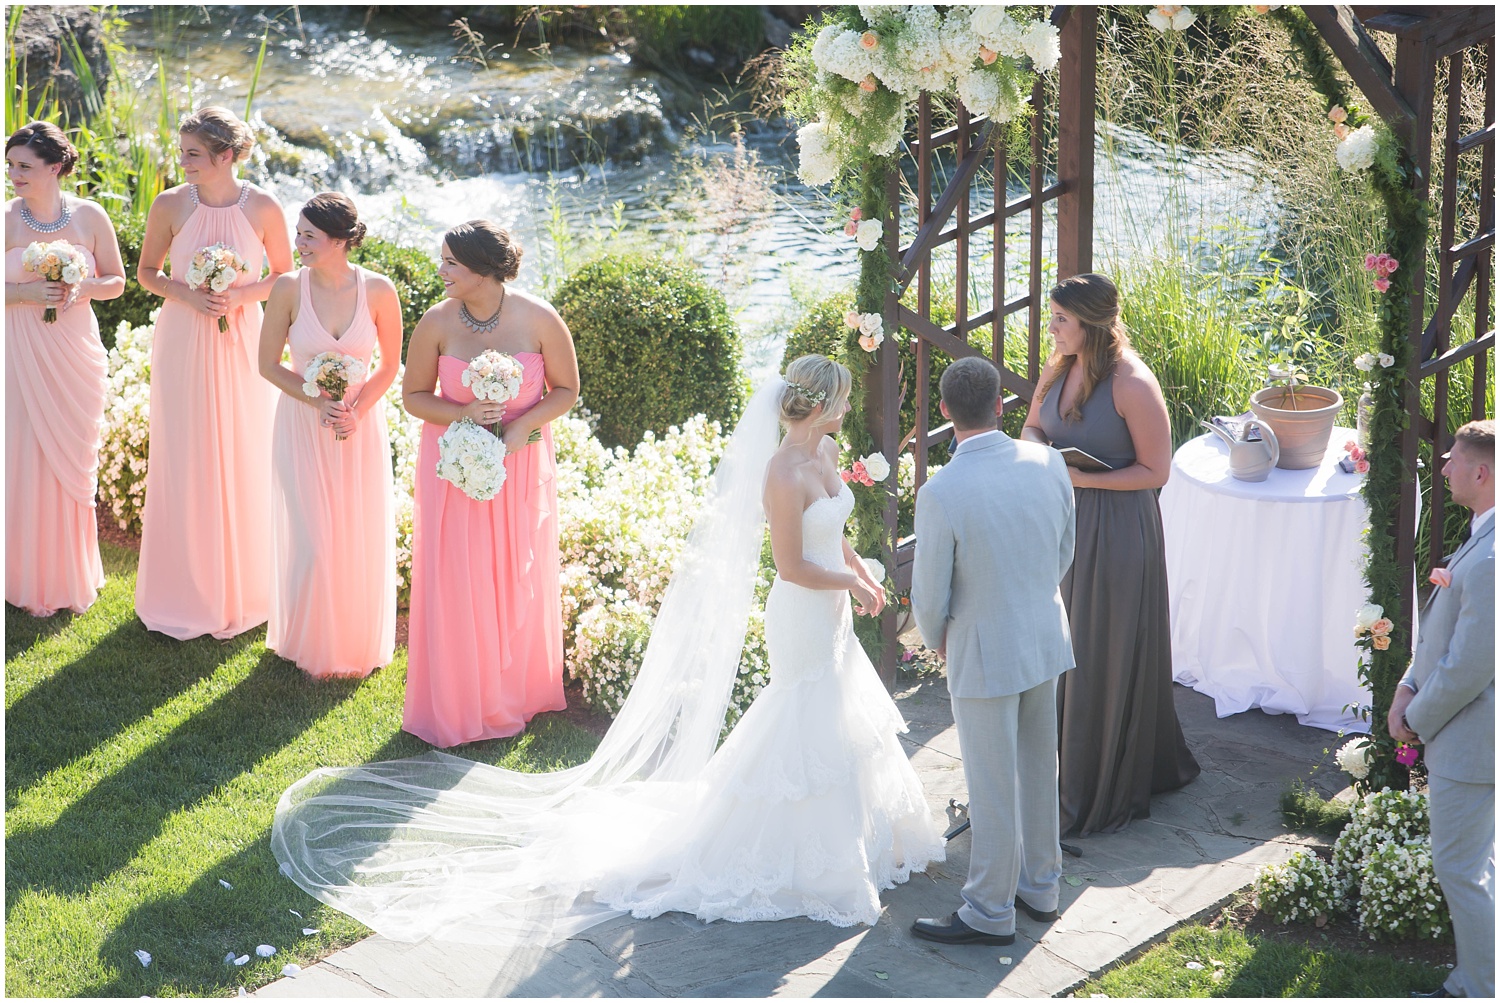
1356 152
1354 757
839 52
979 91
874 12
960 42
817 163
997 31
1042 45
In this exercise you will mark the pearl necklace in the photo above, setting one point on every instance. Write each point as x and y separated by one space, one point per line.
52 227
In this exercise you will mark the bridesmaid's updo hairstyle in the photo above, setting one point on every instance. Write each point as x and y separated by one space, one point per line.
335 214
813 380
47 142
485 249
219 130
1095 301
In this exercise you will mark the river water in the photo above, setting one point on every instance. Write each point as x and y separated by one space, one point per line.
422 138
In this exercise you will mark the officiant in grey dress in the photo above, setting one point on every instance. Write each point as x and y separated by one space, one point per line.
1120 741
994 538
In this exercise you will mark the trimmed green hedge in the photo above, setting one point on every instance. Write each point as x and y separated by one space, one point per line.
656 345
135 304
411 270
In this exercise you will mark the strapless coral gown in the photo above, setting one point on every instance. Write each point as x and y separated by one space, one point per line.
485 652
333 528
206 529
54 409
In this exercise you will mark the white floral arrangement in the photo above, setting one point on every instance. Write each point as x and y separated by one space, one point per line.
869 65
126 436
1399 895
1368 361
1354 757
55 261
1356 151
215 267
1301 890
493 376
333 372
871 328
1379 817
472 460
1171 17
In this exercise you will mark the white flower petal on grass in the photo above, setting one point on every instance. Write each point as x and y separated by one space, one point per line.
310 931
1194 966
291 971
242 960
226 884
265 950
295 913
229 958
1006 959
143 958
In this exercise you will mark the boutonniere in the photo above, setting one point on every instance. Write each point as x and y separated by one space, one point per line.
1441 577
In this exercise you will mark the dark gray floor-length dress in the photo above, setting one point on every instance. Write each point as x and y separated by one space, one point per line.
1119 741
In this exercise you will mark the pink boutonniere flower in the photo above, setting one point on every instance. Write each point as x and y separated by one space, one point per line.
1406 755
1441 577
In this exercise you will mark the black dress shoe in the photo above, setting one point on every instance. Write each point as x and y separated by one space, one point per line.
1440 993
1036 914
955 931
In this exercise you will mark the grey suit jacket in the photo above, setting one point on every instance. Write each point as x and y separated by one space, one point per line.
995 530
1453 668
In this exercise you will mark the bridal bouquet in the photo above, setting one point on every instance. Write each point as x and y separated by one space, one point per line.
472 460
214 268
56 261
334 372
494 376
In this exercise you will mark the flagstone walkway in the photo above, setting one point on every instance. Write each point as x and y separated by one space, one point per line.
1200 846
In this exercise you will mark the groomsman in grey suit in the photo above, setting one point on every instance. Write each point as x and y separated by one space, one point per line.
994 538
1446 701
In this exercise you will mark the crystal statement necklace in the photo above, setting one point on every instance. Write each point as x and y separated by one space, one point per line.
481 326
52 227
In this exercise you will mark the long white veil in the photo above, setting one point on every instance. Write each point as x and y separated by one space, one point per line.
439 846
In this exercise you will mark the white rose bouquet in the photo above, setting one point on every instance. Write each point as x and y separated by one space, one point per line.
334 372
215 268
494 376
56 261
472 460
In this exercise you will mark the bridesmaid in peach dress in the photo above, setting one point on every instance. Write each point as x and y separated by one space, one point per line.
205 556
333 529
486 648
54 381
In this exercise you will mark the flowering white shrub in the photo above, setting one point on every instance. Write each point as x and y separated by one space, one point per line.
1379 817
406 440
1399 894
1300 890
127 426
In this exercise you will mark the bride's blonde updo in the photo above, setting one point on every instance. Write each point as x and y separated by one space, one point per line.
812 380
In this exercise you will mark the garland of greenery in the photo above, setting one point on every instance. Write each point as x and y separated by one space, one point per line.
1405 237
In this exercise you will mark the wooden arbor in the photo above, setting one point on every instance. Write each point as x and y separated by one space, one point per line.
1403 95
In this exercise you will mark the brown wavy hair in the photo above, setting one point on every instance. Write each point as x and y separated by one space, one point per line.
48 142
1095 301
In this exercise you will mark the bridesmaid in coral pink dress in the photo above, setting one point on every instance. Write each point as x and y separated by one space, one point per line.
205 555
486 651
54 381
333 527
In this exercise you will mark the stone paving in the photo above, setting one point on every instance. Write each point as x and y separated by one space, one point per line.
1200 846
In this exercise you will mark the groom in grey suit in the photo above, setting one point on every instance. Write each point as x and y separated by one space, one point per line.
1446 700
995 533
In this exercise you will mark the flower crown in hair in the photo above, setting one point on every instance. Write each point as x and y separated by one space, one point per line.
815 396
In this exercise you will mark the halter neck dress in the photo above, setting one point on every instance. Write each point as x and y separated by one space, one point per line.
205 556
54 411
1118 735
486 642
333 528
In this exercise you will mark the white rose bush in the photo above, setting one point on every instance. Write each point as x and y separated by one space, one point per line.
1380 872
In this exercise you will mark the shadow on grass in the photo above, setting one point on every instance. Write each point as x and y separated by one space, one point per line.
22 630
119 681
104 829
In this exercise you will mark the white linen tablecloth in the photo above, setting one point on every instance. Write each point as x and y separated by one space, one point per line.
1265 579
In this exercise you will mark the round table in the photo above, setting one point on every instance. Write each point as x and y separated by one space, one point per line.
1265 579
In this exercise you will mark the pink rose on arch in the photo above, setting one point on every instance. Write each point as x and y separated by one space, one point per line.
1406 755
851 228
1341 131
987 56
856 214
1382 642
851 318
1382 626
869 40
1338 114
1381 285
868 84
1361 466
1370 260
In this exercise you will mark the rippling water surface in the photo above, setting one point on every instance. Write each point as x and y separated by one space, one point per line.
422 139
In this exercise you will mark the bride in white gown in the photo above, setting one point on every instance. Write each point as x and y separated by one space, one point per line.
810 807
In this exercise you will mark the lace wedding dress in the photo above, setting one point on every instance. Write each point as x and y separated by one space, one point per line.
809 808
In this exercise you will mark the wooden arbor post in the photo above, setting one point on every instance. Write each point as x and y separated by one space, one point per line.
974 144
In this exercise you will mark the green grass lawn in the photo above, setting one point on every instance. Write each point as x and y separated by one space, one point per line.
1249 965
140 772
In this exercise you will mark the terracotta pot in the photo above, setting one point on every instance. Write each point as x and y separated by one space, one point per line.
1303 425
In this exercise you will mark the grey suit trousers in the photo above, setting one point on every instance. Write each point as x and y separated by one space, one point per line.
1463 856
1009 748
